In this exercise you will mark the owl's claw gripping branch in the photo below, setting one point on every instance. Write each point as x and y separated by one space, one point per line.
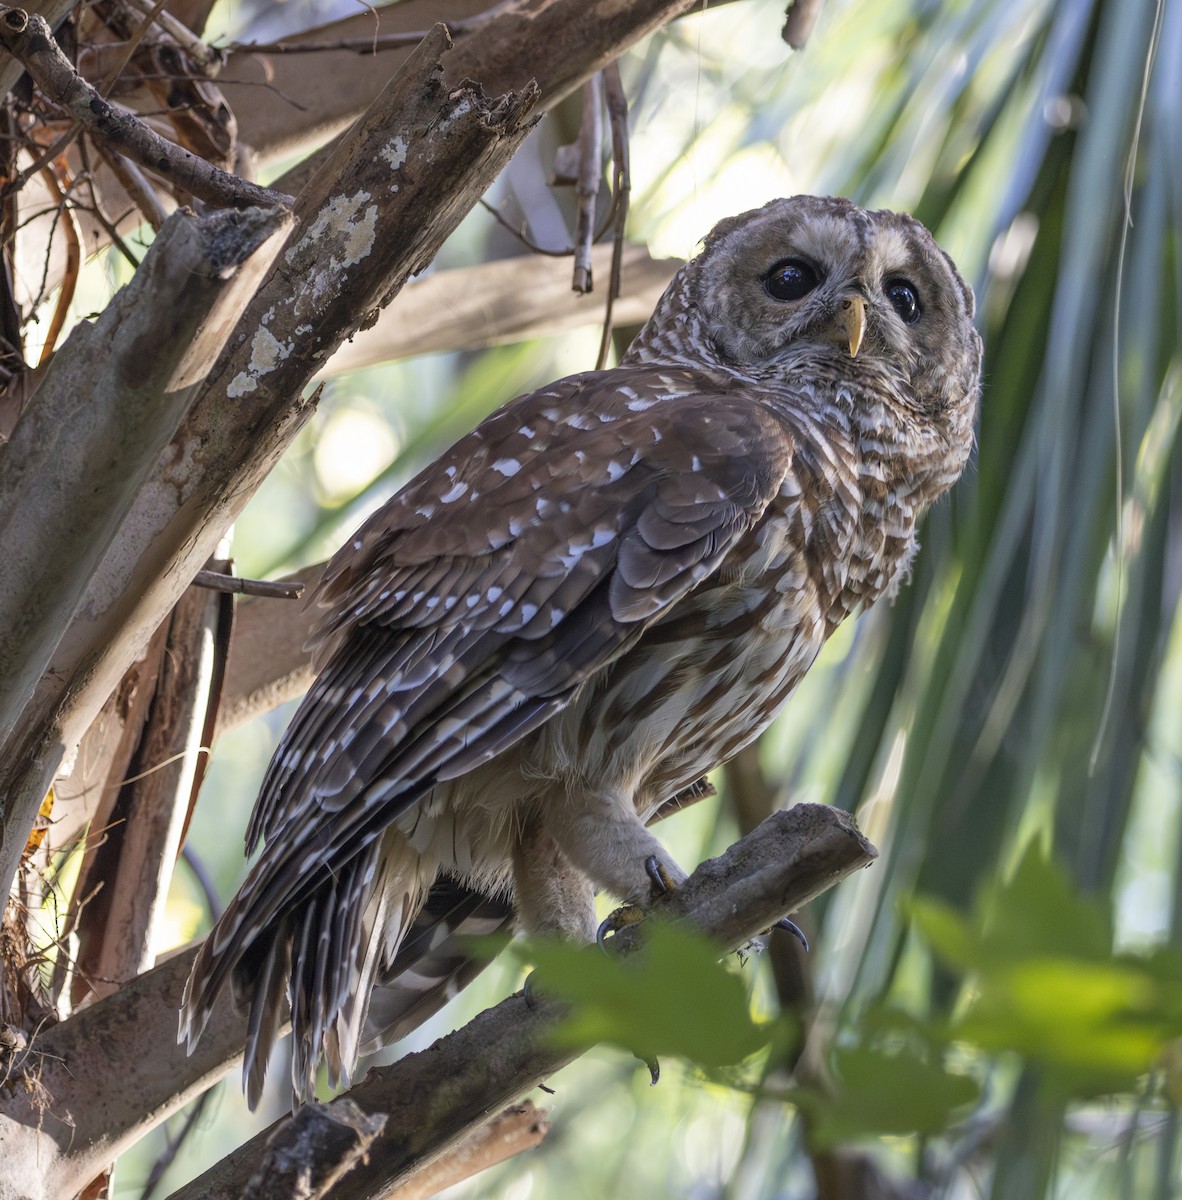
633 914
620 918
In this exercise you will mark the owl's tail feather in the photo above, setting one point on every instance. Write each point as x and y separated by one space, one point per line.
320 957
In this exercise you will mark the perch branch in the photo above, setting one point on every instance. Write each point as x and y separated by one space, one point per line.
28 39
481 1068
436 1097
275 589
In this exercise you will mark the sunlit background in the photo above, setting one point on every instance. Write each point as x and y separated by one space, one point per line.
1021 698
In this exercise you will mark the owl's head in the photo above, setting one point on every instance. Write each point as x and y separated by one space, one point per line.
816 284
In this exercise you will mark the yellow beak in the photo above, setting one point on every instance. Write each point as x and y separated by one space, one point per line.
852 318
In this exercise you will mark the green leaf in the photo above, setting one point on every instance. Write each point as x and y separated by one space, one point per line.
673 998
892 1082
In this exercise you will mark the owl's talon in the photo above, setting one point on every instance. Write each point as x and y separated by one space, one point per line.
620 918
659 874
528 990
794 929
654 1069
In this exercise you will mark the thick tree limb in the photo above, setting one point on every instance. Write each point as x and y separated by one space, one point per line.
436 1097
105 410
87 1107
27 38
396 188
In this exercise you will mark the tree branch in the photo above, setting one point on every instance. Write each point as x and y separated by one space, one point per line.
519 1127
395 189
438 1096
28 38
60 1132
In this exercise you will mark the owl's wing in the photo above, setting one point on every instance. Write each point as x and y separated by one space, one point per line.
531 555
462 616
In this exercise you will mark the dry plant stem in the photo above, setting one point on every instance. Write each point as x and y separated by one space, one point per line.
617 109
590 156
107 407
519 1127
398 186
27 38
307 1155
436 1097
201 55
136 185
72 268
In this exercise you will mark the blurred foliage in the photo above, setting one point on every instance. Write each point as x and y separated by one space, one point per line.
989 1019
674 998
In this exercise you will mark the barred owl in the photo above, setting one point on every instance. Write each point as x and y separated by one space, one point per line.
598 595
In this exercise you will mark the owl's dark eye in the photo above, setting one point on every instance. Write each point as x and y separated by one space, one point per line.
904 300
790 280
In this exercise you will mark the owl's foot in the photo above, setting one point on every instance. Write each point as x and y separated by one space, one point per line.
633 914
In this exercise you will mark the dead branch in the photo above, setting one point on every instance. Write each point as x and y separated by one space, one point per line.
503 301
28 38
105 410
117 934
307 1155
589 172
436 1097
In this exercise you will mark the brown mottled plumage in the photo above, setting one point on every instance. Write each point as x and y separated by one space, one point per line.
598 595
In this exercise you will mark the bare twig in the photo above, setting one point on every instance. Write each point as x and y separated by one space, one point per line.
73 264
276 589
617 108
590 169
27 37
